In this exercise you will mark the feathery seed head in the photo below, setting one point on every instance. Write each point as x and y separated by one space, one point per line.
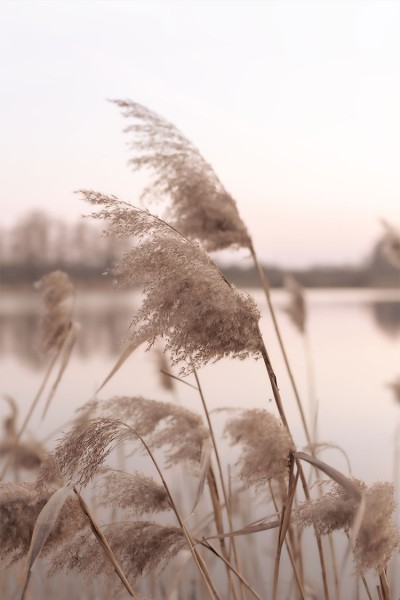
161 424
167 382
136 493
266 446
139 546
20 505
25 455
58 292
186 299
377 538
296 308
201 208
82 451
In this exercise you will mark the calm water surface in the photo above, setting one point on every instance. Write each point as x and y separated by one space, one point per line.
353 351
354 338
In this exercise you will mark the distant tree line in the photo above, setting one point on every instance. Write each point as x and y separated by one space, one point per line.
372 272
38 244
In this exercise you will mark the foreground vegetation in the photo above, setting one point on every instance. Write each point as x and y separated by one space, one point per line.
90 511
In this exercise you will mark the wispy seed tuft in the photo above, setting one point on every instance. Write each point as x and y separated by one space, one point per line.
139 546
266 446
377 538
200 208
58 292
186 299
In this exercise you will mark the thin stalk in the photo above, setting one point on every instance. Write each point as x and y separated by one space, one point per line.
219 465
217 508
311 386
366 587
29 414
297 575
104 543
196 556
266 288
334 567
207 544
384 584
279 405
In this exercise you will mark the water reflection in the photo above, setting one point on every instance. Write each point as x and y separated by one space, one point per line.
103 328
105 321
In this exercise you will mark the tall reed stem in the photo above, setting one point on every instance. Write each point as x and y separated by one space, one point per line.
196 556
219 465
104 543
279 405
29 414
266 288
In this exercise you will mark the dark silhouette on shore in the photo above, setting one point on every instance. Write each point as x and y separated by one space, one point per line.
38 244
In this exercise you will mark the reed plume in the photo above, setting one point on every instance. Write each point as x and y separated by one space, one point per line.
296 309
266 443
20 505
58 293
26 455
140 547
186 299
22 455
200 207
179 430
377 538
135 493
167 380
83 450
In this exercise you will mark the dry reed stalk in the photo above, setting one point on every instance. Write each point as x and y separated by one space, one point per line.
284 524
221 474
298 573
161 147
384 585
29 415
366 587
364 512
279 405
25 455
267 292
242 580
155 136
85 449
297 311
104 543
218 519
58 292
197 558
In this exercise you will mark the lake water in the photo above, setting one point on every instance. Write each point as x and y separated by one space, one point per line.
354 337
355 346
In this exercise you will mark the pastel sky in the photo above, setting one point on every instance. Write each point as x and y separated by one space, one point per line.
294 103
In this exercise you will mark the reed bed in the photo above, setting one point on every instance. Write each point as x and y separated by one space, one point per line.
266 520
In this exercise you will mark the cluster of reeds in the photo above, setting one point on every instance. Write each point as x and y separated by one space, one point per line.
91 511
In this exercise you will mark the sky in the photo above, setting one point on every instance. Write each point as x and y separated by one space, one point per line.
294 103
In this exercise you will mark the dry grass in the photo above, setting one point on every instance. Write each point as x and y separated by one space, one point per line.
104 528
